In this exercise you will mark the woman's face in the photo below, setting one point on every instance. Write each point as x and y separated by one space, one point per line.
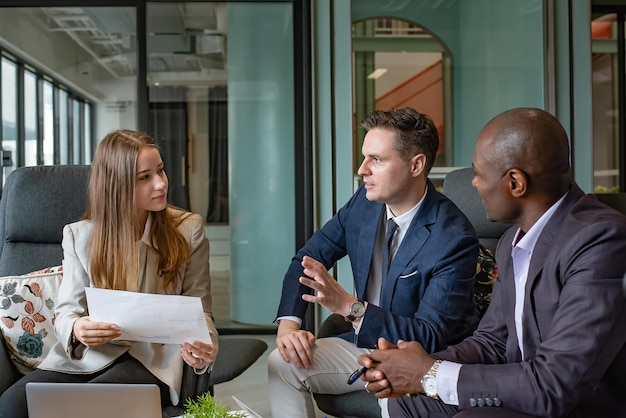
151 183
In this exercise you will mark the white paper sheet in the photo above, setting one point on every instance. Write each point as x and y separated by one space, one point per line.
167 319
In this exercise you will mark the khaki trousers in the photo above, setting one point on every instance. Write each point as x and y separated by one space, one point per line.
291 388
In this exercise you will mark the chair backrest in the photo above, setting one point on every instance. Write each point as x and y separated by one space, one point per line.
615 200
457 185
37 202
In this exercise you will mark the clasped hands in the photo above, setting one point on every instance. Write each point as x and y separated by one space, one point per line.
395 370
94 333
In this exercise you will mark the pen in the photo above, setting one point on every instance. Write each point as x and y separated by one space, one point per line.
357 373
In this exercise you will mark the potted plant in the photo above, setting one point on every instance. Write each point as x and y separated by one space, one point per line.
206 406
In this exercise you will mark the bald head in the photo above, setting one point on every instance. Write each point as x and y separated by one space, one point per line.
533 141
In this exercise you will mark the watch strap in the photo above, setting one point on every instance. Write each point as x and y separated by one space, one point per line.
432 374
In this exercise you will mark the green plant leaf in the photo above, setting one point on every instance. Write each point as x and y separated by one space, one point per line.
206 406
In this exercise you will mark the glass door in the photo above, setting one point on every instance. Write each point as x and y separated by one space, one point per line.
220 80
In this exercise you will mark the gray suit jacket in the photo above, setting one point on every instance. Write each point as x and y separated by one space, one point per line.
163 360
574 321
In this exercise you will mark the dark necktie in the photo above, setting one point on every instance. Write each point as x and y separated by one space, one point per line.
391 229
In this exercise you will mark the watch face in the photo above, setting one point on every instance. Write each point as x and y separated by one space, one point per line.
357 309
429 385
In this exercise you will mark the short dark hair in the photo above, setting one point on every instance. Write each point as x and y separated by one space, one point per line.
415 132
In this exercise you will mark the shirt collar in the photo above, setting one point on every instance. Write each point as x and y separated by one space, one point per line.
403 221
528 240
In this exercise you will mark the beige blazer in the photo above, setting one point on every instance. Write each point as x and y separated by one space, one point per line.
163 360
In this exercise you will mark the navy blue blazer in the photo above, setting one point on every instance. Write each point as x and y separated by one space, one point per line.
428 292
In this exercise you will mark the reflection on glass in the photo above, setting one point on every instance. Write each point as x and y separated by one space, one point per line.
63 129
77 133
48 123
186 65
221 106
30 118
187 83
9 114
87 141
91 59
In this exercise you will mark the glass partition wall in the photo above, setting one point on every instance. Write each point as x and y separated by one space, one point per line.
608 63
220 85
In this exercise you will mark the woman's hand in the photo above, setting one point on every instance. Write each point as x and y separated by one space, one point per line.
198 354
92 333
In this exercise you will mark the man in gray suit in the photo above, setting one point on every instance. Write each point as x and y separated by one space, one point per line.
553 340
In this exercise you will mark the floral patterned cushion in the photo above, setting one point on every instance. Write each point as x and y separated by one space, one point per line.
486 275
27 315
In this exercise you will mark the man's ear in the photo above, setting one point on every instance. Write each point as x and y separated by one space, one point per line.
518 182
418 164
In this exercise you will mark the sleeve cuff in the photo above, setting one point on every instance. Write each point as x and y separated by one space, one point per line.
291 318
208 368
447 378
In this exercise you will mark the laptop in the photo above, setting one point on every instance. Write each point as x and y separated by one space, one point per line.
93 400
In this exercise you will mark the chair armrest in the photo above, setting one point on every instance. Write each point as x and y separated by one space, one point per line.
193 385
234 357
334 325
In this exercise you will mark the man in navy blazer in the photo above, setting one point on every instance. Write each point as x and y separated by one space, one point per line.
553 340
427 294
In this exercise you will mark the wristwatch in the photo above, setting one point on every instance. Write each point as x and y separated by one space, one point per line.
357 310
429 382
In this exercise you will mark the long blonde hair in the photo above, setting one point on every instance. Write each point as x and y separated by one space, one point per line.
111 207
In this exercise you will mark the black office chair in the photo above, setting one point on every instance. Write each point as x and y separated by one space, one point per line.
457 186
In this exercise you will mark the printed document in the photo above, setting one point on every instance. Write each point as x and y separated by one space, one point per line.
167 319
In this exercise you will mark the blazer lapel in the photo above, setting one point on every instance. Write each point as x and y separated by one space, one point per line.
411 245
507 289
544 245
545 242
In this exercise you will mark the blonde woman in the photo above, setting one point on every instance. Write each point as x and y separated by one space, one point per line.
130 239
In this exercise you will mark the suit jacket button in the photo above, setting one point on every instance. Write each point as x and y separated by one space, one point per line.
472 402
488 401
497 402
480 402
